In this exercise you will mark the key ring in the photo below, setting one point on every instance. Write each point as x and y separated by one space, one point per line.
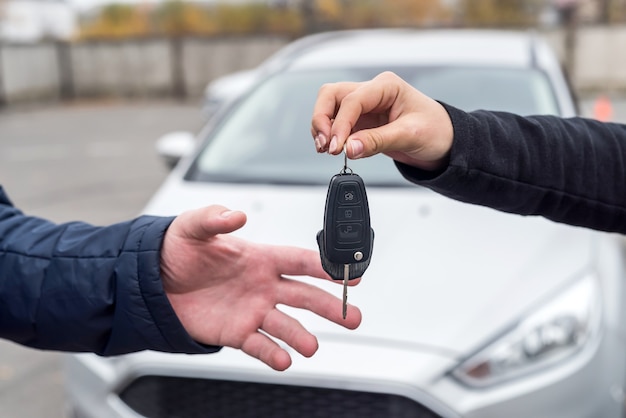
346 169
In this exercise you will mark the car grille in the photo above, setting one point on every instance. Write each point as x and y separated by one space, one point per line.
176 397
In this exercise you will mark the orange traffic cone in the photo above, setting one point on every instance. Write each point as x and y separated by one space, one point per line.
603 109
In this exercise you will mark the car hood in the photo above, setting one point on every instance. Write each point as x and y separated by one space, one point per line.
445 277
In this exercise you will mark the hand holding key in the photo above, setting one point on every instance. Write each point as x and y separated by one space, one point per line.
384 115
347 240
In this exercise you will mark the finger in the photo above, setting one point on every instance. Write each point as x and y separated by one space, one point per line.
376 95
387 138
305 296
297 262
328 99
285 328
294 261
421 138
265 349
209 221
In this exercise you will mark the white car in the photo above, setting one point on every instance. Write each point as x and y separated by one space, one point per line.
467 312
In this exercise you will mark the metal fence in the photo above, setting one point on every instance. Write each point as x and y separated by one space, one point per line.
129 68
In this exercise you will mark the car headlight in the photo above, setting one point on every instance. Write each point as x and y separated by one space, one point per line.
552 332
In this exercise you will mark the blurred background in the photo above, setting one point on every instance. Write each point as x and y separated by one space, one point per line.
76 49
87 86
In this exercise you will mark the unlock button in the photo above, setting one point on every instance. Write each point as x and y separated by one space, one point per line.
349 213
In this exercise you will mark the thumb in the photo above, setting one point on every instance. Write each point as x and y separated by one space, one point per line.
406 139
204 223
368 142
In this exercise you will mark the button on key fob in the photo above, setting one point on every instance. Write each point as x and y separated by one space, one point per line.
346 242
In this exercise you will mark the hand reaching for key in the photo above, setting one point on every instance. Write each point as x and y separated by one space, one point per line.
383 115
225 290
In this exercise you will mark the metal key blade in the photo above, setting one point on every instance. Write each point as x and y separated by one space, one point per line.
346 277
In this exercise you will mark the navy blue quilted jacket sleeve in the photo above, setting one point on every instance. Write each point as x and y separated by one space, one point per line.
568 170
78 287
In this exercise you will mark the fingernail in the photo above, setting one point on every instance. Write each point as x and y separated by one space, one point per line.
322 140
357 147
333 145
318 146
227 213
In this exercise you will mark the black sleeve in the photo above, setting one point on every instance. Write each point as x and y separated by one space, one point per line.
568 170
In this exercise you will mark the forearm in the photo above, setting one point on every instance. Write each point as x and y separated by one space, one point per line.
77 287
567 170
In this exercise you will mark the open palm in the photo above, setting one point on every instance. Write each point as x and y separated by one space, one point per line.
225 290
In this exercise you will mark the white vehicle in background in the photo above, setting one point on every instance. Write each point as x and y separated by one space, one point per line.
224 89
467 312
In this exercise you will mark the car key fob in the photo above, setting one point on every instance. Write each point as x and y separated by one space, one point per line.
347 240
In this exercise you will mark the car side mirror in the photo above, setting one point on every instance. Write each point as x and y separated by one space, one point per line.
174 146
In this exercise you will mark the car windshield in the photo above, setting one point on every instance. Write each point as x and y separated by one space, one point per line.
265 137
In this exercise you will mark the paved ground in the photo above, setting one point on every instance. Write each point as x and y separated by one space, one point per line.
94 162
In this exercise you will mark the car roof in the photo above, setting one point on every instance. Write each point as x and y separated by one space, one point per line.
432 47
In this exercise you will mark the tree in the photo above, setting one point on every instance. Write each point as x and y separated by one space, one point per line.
413 13
380 13
499 13
179 18
117 21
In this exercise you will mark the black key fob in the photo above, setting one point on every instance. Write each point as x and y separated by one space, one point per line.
347 237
